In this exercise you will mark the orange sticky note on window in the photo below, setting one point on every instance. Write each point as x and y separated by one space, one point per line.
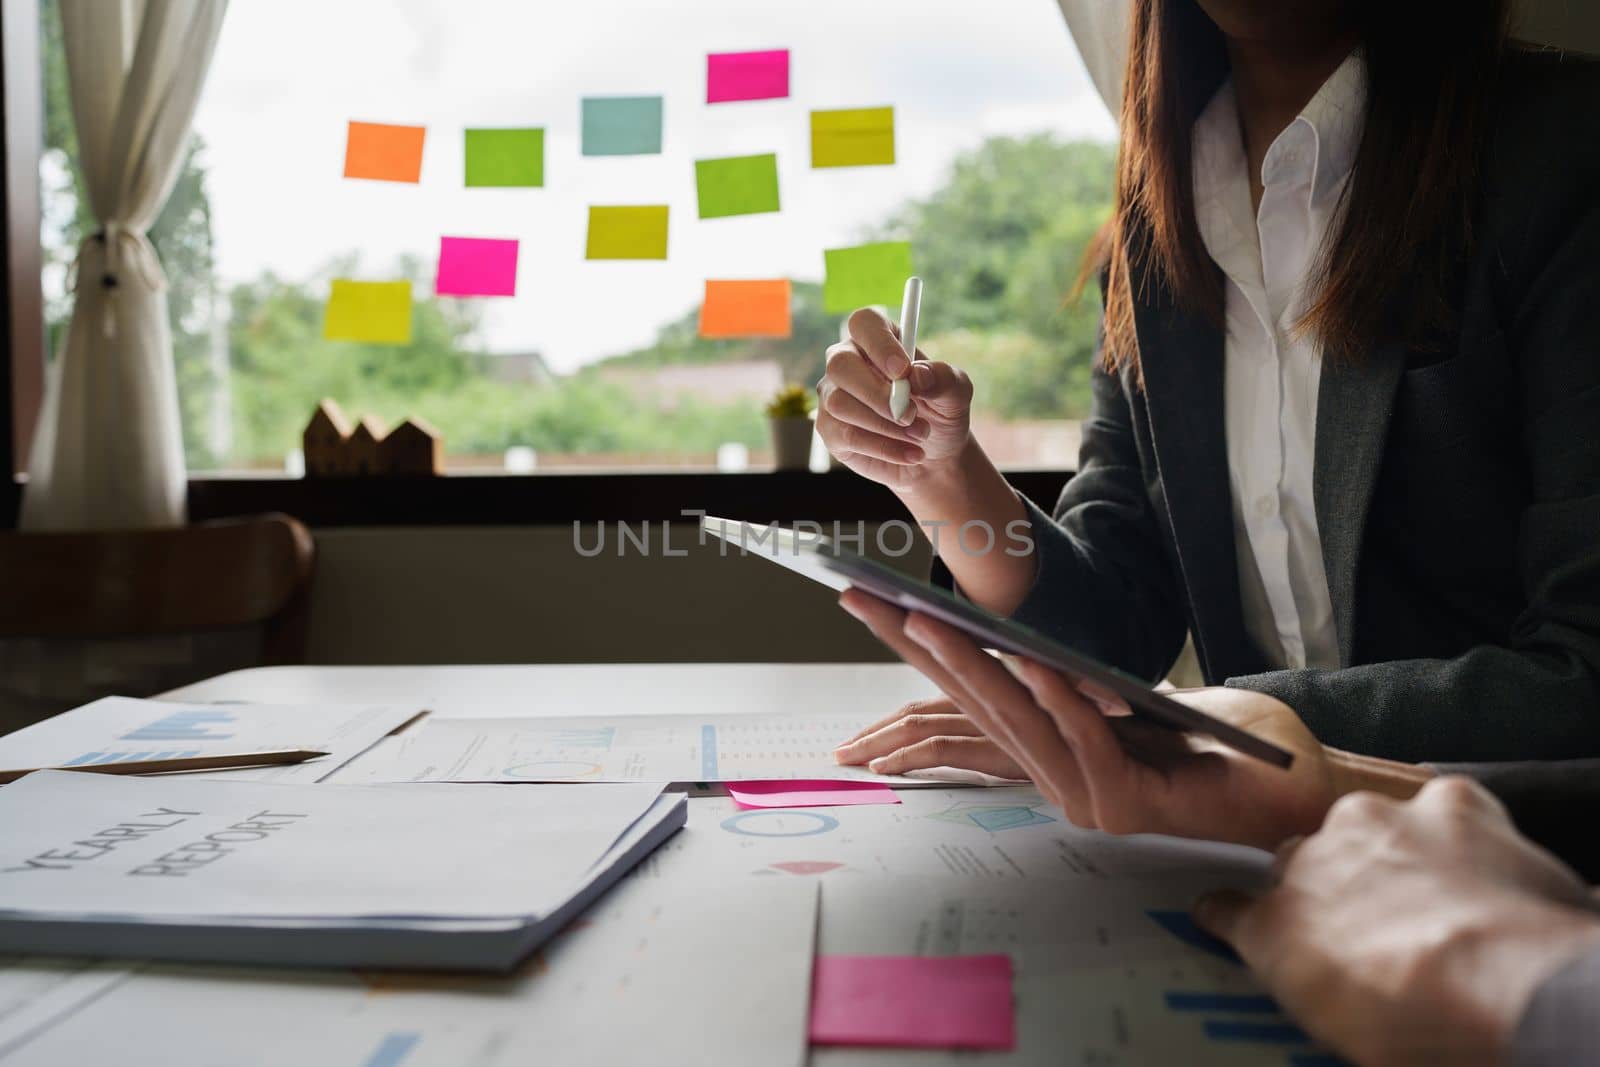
757 308
384 153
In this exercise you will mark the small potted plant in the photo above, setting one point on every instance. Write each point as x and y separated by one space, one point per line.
789 413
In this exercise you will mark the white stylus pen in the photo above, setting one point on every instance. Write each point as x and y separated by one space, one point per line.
910 308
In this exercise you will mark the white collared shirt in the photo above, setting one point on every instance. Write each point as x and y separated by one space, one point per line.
1272 373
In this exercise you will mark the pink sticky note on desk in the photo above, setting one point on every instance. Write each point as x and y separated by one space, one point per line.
746 76
913 1001
809 793
477 266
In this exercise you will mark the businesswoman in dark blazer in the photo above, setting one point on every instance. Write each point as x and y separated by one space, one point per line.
1346 417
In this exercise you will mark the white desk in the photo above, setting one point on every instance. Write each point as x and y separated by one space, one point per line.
876 689
946 871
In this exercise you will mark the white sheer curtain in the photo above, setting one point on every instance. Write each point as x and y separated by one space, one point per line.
1100 30
109 449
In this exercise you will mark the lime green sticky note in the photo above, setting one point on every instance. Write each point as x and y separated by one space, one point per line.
865 274
627 232
505 158
740 185
854 137
377 312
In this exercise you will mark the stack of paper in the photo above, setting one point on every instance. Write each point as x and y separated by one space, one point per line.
122 730
469 877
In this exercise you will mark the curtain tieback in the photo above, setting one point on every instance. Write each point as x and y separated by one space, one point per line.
124 247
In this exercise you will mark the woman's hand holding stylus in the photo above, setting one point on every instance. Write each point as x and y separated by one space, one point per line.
928 458
853 412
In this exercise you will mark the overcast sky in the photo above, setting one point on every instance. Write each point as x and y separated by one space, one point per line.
289 74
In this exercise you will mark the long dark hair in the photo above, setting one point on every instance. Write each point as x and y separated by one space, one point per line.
1387 270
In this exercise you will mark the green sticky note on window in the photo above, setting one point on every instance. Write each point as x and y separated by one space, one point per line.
854 137
740 185
505 158
627 232
375 312
621 125
865 274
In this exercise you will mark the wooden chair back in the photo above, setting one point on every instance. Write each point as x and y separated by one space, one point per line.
145 583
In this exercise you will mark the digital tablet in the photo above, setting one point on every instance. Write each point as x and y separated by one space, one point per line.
821 560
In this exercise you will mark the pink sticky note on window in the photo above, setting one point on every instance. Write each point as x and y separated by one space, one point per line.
746 76
913 1001
808 793
476 266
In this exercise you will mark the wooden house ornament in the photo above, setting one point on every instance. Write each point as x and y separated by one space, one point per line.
412 448
363 449
324 440
334 449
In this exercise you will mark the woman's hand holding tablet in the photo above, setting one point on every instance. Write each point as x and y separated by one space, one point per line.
1221 764
1105 768
821 560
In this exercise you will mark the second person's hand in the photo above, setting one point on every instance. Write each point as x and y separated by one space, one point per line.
1406 933
853 417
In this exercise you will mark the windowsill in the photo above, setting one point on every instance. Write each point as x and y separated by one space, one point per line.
552 498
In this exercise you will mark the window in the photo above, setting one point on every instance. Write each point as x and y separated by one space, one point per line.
1002 171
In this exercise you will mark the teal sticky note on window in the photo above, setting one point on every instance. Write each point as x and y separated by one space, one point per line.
505 158
865 274
621 125
740 185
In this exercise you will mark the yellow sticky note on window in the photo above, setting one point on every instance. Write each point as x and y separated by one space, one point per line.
854 137
376 312
627 232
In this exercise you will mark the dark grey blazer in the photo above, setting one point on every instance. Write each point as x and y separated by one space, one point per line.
1457 492
1553 803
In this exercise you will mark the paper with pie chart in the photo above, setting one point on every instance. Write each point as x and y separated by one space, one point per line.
1008 834
677 748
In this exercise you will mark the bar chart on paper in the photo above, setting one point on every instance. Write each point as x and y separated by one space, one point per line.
1243 1022
176 728
667 748
125 729
1094 977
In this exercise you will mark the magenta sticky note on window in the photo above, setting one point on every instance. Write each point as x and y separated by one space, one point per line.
809 793
477 266
746 76
913 1002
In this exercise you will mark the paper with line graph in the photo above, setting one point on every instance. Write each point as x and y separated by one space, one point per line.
670 748
121 729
